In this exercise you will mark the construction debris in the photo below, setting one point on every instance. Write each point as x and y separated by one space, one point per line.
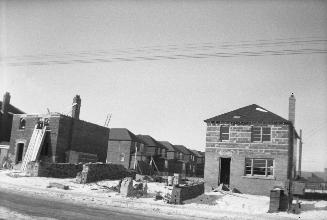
58 185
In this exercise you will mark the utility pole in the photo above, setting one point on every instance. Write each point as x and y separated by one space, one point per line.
300 153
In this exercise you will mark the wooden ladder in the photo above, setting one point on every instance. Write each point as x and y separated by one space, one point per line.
34 146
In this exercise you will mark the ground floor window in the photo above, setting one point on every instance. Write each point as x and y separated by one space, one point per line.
259 167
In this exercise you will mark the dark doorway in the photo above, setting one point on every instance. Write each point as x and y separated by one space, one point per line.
20 150
224 170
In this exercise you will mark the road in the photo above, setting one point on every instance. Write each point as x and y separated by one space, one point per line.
37 207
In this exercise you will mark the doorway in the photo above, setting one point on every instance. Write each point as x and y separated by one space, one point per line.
224 171
20 150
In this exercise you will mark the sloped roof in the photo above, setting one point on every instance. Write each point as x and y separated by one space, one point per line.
249 114
13 109
123 134
150 141
183 149
168 145
197 153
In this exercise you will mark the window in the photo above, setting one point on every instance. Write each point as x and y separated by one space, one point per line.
22 123
259 167
260 134
224 132
122 157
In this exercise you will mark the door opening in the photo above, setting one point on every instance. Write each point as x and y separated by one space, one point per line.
224 170
20 150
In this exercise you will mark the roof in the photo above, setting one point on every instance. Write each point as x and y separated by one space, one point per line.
197 153
249 114
123 134
168 145
183 149
13 109
150 141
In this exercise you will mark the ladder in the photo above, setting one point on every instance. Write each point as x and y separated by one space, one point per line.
34 146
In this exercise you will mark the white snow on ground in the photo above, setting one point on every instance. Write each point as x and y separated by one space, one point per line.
9 214
210 205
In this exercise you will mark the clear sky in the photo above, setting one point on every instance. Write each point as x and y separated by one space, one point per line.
168 98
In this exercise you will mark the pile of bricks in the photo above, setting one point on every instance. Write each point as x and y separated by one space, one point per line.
93 172
56 170
181 193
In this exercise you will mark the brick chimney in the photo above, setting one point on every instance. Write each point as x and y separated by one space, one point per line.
291 109
76 107
4 118
5 103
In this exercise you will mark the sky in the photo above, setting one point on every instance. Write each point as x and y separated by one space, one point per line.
168 98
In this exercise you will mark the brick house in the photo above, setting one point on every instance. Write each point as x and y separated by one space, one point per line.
156 151
199 161
175 163
66 139
6 117
124 147
188 158
251 149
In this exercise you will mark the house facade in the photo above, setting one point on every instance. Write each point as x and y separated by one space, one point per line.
125 148
250 149
6 119
188 158
66 139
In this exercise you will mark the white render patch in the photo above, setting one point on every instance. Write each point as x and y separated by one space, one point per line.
261 110
236 116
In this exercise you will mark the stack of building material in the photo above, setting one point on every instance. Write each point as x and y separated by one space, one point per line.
93 172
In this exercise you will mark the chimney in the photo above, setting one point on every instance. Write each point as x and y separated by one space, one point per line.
5 103
76 107
291 109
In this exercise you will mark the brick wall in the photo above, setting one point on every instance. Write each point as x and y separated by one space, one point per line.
56 170
182 193
81 136
24 135
240 147
116 149
93 172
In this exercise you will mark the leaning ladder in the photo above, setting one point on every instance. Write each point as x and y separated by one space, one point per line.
34 147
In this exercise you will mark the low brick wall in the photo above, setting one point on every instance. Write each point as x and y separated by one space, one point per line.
56 170
181 193
93 172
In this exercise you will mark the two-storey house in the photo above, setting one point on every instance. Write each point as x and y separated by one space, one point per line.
251 149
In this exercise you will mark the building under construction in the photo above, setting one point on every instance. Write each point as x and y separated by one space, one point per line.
57 138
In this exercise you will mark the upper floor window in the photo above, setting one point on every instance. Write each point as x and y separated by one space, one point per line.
259 167
260 134
22 123
122 157
224 132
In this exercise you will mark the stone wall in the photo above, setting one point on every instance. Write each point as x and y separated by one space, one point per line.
56 170
181 193
93 172
239 147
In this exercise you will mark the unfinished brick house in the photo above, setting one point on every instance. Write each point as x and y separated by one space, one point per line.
124 147
188 158
175 163
6 117
251 149
199 163
156 151
57 138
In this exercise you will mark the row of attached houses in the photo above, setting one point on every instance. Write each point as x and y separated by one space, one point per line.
132 150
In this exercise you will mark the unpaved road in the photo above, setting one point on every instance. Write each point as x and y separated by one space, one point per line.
39 207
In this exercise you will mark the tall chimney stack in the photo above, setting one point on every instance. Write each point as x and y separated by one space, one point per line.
76 107
5 103
291 109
